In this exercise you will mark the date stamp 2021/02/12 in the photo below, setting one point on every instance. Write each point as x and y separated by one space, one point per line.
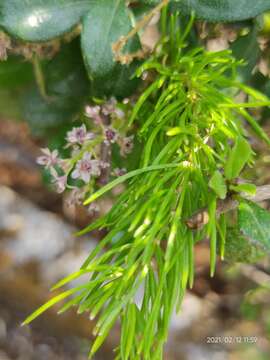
231 339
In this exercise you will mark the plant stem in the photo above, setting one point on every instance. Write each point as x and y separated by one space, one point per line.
39 77
201 218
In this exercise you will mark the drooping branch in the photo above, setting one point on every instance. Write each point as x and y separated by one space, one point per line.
201 217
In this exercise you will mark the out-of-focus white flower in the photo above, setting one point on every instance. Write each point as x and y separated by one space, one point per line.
78 135
93 112
86 167
49 159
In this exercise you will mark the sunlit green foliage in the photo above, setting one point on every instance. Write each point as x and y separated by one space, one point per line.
195 148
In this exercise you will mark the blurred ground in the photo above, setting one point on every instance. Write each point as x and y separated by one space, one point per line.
217 322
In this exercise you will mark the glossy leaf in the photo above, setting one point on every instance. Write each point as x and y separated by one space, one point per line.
41 20
140 10
65 75
109 18
239 156
254 223
43 114
247 48
66 85
222 10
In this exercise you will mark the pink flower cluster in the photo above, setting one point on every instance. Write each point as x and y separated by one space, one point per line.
85 163
111 135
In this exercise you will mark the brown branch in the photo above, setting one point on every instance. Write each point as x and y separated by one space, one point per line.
201 217
118 46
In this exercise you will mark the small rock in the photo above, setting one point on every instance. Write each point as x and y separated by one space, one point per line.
190 312
36 234
3 356
20 346
44 352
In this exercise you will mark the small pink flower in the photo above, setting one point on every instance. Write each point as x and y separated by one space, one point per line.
127 145
59 181
78 135
85 168
49 159
111 135
93 112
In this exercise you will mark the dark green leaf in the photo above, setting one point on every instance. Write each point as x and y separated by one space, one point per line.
140 10
238 248
65 75
41 20
106 22
42 114
9 105
15 72
222 10
259 81
247 48
239 156
67 86
254 223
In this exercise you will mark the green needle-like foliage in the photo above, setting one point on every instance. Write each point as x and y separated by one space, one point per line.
193 136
